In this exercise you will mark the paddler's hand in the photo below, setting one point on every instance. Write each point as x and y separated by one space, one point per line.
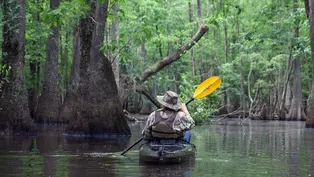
185 109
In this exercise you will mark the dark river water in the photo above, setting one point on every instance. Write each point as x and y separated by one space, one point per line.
255 149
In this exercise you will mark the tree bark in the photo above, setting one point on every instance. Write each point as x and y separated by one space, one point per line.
49 100
159 44
33 91
115 36
285 91
296 111
64 66
310 109
242 96
199 13
228 100
200 22
224 3
175 56
14 111
226 40
249 86
98 111
192 50
70 98
307 8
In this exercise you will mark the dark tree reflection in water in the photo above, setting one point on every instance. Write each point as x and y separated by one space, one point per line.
255 149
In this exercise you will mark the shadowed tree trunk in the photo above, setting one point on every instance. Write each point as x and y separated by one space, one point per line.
200 23
33 92
225 26
14 112
64 65
242 97
296 112
34 66
285 91
115 36
226 40
48 105
98 111
192 50
159 43
70 98
310 110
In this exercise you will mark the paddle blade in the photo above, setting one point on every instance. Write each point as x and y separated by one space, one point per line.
207 87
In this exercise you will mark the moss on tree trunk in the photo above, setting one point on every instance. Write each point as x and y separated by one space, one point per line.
14 112
97 110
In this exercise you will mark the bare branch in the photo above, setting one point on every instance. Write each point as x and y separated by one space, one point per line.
175 56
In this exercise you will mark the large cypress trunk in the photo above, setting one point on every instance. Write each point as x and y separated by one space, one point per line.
98 111
296 112
14 112
310 110
48 105
70 98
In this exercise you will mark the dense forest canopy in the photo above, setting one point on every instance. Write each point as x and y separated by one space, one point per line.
260 49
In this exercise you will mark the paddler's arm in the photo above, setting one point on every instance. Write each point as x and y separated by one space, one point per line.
184 121
146 131
188 117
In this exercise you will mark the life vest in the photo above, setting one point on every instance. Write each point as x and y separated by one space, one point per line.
163 127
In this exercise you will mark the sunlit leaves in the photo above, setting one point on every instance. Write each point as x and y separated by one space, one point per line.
67 10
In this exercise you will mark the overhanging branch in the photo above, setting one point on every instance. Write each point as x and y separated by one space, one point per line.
175 56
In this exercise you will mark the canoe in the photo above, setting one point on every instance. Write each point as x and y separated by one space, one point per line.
166 153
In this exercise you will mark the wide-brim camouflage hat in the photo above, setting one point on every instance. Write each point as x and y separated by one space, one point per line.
170 100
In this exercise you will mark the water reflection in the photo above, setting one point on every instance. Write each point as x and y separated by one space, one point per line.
33 162
256 149
183 170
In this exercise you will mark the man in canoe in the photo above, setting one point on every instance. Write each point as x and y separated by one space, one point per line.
172 121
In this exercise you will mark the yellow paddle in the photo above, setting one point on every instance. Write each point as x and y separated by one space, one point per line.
205 88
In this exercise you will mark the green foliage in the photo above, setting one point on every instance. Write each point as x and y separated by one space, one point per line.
260 41
4 73
68 11
261 37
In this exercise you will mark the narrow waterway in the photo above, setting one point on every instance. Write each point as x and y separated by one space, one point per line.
279 149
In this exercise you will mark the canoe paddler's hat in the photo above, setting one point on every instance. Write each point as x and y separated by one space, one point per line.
170 100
